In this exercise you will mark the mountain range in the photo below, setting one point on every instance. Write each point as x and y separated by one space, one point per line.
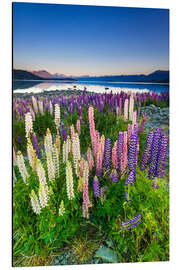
158 76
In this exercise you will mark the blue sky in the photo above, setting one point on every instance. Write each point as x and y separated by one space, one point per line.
90 40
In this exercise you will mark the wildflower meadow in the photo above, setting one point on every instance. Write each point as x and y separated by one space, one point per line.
90 184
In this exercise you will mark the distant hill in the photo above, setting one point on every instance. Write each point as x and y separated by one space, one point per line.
43 74
19 74
159 76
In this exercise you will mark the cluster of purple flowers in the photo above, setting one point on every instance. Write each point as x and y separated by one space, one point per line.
131 223
120 150
107 154
36 145
96 187
147 151
132 157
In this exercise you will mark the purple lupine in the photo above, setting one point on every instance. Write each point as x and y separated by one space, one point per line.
96 188
162 156
147 151
64 135
133 150
114 176
130 178
131 223
139 109
154 154
120 150
107 154
36 145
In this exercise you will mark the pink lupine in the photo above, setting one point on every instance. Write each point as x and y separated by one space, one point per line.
134 117
78 127
81 166
130 129
131 108
114 155
90 159
72 131
125 156
126 110
91 124
86 201
99 160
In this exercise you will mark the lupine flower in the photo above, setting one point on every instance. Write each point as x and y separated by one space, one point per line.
76 151
32 113
107 154
64 135
90 159
134 117
125 158
58 143
120 150
41 173
86 201
43 195
130 130
78 127
114 176
69 181
28 124
162 155
99 160
21 166
35 106
14 178
153 171
126 110
147 151
114 155
102 141
50 166
130 178
132 151
72 131
36 145
131 223
81 166
61 209
40 105
131 108
48 142
96 187
50 108
57 115
35 203
31 155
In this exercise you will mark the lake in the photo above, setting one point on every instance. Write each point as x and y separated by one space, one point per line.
98 87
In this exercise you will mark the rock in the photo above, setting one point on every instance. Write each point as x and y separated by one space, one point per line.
106 254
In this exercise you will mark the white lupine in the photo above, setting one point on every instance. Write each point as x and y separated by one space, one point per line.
35 203
32 113
65 152
50 107
69 181
126 110
57 115
55 156
41 173
21 166
68 141
50 165
35 106
58 143
61 209
48 142
76 151
31 155
40 105
43 195
131 107
28 124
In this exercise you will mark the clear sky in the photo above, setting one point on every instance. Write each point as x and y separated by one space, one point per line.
90 40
